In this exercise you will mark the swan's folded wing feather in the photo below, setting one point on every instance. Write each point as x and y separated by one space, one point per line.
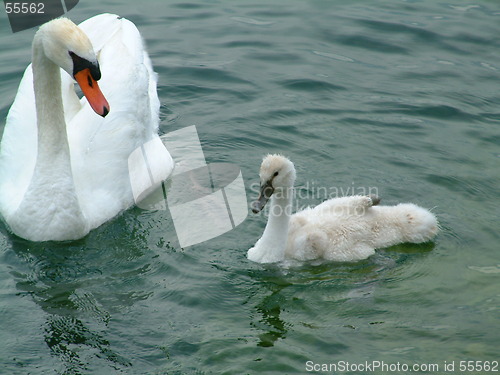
19 146
100 29
127 71
101 146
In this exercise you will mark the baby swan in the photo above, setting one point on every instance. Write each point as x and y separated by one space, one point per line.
340 229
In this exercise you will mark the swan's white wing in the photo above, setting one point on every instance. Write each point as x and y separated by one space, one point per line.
101 146
18 147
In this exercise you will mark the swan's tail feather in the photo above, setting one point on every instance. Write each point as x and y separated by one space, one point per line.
421 224
405 222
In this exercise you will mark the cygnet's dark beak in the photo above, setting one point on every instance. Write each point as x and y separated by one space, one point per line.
266 190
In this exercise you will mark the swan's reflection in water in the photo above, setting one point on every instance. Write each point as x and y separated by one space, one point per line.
71 282
271 323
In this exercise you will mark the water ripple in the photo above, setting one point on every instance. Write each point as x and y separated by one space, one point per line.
369 43
309 85
251 21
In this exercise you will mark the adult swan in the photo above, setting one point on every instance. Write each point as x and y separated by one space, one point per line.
63 168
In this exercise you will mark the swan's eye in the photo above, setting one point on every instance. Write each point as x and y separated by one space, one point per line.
79 64
275 173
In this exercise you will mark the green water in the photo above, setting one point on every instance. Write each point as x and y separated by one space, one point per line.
398 96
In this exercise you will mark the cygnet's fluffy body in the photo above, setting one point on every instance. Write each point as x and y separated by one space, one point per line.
340 229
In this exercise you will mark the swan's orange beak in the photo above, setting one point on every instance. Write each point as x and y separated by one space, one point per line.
92 92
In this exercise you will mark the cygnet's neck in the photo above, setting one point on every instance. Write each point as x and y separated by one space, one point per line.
272 245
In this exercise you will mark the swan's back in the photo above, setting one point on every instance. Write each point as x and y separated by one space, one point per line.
337 230
333 230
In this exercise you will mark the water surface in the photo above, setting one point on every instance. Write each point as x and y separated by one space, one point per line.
397 96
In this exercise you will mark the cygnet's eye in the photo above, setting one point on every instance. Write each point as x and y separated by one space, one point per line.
275 173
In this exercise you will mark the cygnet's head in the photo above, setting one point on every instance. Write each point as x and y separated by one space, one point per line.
277 176
67 46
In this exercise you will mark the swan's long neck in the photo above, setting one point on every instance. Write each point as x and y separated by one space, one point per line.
272 245
50 209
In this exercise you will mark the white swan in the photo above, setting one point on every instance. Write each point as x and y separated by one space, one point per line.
63 168
340 229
